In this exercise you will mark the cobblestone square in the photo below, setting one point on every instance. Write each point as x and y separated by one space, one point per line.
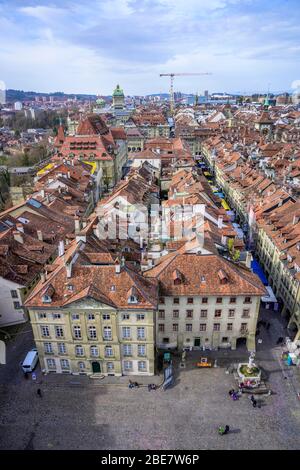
78 413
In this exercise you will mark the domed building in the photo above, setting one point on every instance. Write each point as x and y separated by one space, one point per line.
100 106
100 102
118 98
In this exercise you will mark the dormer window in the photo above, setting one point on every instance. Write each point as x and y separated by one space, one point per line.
113 288
132 299
222 276
203 280
48 294
177 277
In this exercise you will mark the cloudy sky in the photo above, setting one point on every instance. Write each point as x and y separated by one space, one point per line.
89 46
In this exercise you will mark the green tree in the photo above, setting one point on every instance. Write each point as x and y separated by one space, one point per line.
4 189
234 254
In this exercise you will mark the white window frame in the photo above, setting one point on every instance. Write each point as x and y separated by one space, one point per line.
77 332
48 348
94 348
62 349
65 364
59 332
128 366
139 330
140 369
45 331
127 350
141 350
107 333
108 351
126 332
51 364
92 332
79 350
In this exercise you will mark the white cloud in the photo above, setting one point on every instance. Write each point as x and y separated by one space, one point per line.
88 46
44 13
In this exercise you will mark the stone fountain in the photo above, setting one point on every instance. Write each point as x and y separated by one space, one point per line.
249 373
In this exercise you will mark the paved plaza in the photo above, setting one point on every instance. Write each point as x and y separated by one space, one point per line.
79 413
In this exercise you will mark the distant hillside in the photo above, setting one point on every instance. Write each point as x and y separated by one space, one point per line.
20 95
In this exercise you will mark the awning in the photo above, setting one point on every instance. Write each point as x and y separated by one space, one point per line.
225 205
270 297
220 195
257 269
207 173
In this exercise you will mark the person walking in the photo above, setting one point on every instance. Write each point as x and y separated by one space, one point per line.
39 392
223 430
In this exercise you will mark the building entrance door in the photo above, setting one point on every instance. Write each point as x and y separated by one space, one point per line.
197 342
96 367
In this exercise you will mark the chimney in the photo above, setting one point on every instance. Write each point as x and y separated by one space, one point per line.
220 221
69 174
43 193
69 269
43 277
39 235
20 227
18 236
117 266
122 261
248 259
61 248
77 224
295 220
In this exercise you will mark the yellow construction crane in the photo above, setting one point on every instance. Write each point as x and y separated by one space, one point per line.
172 75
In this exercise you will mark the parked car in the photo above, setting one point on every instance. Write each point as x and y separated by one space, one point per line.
30 361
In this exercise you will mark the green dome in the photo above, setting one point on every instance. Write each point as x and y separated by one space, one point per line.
100 101
118 91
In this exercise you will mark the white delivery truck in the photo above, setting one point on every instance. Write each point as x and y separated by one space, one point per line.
30 361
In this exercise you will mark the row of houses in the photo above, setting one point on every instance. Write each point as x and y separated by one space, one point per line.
259 180
118 293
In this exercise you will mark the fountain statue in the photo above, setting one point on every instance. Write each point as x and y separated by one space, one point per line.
249 373
251 361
